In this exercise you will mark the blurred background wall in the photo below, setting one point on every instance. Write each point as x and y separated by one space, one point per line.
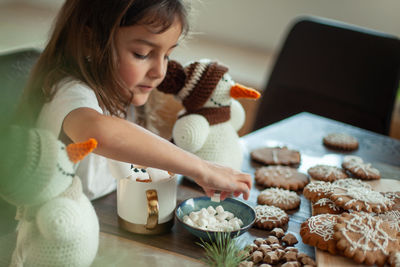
243 34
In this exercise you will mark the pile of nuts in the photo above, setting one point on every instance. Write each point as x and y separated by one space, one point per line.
276 249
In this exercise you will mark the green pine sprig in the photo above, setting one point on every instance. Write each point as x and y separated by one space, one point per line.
223 251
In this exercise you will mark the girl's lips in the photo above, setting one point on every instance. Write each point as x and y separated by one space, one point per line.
145 88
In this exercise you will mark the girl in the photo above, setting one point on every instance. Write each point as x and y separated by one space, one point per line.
103 58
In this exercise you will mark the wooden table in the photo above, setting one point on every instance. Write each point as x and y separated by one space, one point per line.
303 132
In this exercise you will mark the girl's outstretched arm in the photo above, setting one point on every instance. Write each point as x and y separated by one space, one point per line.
125 141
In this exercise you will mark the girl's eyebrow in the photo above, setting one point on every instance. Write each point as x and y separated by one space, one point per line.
146 42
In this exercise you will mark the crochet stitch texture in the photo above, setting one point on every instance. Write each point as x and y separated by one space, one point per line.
211 119
57 223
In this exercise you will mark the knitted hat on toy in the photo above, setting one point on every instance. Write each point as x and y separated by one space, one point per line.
183 82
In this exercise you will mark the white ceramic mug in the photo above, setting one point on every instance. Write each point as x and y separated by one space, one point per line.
145 208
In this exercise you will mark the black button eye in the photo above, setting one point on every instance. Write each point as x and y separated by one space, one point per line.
136 170
143 170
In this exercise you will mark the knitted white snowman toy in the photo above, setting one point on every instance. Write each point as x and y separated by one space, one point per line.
208 126
57 223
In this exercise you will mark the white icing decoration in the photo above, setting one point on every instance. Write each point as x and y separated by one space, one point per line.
367 196
371 236
393 196
356 164
280 196
322 225
327 171
350 182
327 202
319 186
274 155
266 213
397 258
341 138
279 171
393 217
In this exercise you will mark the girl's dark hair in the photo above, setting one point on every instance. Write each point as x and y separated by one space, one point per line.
82 46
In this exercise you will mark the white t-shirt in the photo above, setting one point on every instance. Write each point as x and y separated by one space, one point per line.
93 170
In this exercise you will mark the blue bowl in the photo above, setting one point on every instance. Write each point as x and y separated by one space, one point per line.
240 209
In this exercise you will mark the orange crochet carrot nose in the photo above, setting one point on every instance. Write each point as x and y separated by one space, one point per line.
241 91
78 151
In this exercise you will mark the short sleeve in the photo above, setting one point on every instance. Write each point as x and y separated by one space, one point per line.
70 95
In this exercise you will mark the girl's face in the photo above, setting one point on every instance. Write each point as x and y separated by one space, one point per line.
143 57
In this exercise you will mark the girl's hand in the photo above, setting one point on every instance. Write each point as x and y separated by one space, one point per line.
215 177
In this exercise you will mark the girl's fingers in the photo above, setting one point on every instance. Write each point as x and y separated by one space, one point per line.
236 194
209 192
224 195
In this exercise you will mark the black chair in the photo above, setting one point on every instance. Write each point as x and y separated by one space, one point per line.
335 70
15 67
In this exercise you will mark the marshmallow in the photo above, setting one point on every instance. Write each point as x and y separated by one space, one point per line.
219 209
211 210
214 219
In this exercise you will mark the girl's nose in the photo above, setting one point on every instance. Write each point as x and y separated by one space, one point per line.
158 68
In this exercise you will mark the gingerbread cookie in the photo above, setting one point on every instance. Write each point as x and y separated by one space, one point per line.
317 231
365 238
325 206
269 217
281 176
350 182
393 217
278 197
341 141
276 156
316 190
327 173
360 199
395 197
394 259
358 168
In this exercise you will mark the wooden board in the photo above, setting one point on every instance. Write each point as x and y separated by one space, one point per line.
324 259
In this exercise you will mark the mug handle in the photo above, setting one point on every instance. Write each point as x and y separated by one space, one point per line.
152 209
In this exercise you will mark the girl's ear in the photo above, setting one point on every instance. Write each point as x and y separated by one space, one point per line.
77 151
174 78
